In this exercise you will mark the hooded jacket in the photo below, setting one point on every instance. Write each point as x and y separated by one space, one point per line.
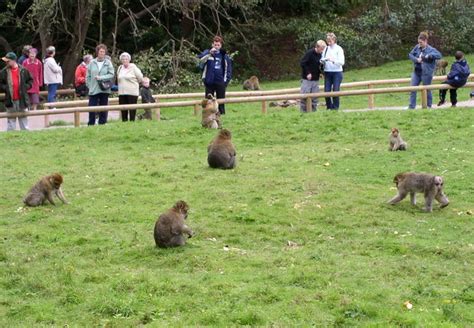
6 85
459 73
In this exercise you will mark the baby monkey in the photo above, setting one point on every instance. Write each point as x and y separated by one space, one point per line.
411 183
43 190
395 141
170 228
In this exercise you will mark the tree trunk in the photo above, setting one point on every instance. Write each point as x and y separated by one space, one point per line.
83 15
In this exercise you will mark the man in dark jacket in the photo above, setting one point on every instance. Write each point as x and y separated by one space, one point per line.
15 80
457 77
310 72
217 70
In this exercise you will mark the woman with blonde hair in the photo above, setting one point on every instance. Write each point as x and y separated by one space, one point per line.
333 60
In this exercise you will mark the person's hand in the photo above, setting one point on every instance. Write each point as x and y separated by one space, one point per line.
419 60
213 50
309 76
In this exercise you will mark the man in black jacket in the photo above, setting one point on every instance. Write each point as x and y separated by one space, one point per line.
15 80
310 72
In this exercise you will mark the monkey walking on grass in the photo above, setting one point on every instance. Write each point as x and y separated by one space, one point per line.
411 183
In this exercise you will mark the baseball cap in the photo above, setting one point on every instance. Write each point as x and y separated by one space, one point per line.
9 56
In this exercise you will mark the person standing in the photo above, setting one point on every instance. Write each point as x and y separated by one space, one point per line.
15 81
80 76
25 52
333 60
456 78
310 72
217 70
424 59
147 97
100 73
53 74
129 78
35 67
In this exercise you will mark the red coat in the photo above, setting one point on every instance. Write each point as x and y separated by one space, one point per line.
80 74
36 70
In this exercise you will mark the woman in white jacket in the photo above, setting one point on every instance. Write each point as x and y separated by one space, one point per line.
129 78
53 73
333 60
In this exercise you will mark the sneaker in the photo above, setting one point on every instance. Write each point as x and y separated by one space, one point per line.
441 102
453 106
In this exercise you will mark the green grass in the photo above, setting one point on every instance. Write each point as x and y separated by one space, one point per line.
319 180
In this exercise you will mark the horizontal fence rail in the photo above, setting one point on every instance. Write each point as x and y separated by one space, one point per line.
263 99
349 85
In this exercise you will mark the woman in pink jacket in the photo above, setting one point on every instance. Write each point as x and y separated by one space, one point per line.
35 67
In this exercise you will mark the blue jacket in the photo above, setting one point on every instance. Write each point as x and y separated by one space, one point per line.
429 56
207 63
459 73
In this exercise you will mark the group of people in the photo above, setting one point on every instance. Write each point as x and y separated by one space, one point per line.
23 77
95 78
327 58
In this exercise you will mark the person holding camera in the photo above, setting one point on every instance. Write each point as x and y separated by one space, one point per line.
217 70
333 60
310 72
100 73
424 59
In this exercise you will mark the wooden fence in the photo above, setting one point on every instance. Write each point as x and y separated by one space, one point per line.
263 99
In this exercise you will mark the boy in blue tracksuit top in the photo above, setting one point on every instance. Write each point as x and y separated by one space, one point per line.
457 77
217 70
424 58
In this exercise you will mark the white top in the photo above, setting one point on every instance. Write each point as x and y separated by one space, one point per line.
100 64
333 58
129 80
53 73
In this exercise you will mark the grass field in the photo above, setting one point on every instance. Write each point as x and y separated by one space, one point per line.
320 181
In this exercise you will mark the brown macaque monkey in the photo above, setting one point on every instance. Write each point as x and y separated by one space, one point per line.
43 190
252 83
221 152
395 141
411 183
211 117
170 228
441 65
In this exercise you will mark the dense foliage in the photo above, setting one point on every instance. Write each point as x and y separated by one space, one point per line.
268 35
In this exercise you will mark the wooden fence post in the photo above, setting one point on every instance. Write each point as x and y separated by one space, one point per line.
309 104
157 112
264 107
77 119
371 97
196 109
424 98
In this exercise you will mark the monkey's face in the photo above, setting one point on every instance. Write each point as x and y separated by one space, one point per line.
56 180
395 132
438 182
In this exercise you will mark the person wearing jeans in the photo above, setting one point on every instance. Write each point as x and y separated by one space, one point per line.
99 69
217 70
53 74
333 60
424 59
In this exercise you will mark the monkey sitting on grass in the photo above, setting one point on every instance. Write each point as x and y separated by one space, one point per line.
43 191
170 227
395 141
